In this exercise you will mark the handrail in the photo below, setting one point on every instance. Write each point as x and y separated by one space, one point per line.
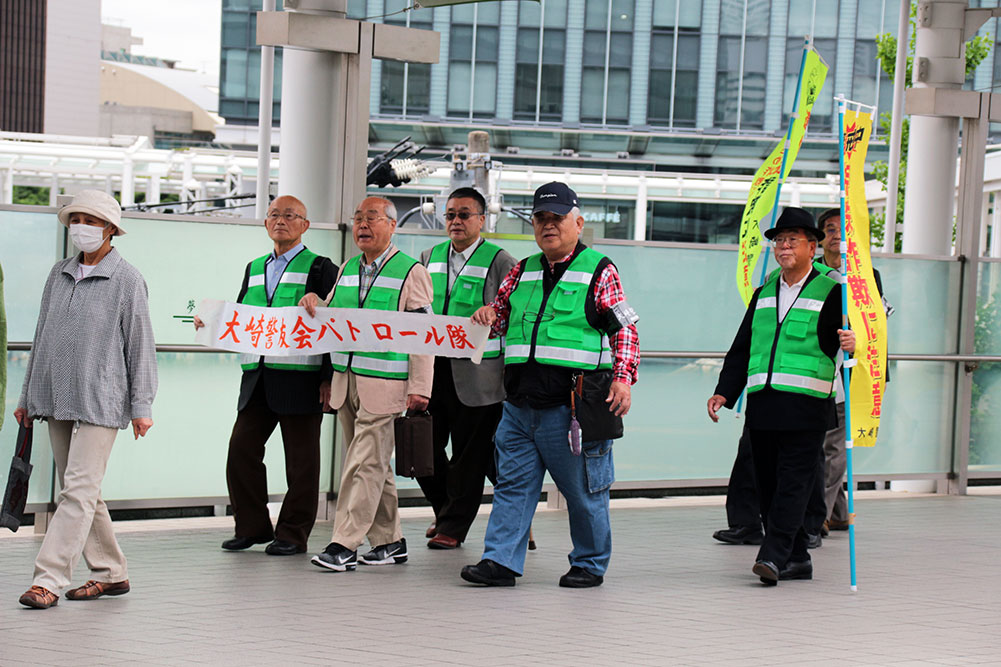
20 346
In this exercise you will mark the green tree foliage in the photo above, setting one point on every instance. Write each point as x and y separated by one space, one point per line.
977 49
28 195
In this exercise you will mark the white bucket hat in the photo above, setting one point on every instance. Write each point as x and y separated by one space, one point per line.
96 203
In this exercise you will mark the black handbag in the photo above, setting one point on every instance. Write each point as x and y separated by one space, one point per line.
596 421
414 445
16 495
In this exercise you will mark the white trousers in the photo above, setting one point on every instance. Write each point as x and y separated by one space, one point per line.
81 523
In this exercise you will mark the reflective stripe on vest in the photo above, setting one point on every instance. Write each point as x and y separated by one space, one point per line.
290 289
384 294
787 356
468 290
553 328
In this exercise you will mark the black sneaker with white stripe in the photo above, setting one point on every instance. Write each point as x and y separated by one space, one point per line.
387 554
336 557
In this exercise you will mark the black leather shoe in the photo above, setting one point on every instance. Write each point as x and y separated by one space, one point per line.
814 541
800 570
283 548
488 573
740 535
241 543
767 572
578 577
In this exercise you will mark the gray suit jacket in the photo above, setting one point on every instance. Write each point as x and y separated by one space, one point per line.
483 384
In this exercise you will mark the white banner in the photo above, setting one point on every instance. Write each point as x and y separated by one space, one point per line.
291 332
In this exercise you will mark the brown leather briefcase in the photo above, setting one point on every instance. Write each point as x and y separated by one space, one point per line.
414 445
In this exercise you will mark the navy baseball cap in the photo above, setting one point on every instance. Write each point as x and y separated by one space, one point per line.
555 197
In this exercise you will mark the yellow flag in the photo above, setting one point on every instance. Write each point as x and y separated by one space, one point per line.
766 179
865 307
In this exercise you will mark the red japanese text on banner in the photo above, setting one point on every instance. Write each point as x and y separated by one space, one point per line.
865 308
291 332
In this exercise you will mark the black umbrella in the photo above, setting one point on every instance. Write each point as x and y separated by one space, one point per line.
16 495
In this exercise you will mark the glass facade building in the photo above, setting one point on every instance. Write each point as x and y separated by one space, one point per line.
655 65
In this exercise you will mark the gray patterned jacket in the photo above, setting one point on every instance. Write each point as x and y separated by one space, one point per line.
93 358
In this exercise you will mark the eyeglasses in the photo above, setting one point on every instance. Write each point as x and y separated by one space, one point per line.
788 241
368 219
461 215
289 217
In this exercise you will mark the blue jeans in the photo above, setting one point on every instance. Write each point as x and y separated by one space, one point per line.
529 442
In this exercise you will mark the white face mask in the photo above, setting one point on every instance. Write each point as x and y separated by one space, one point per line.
86 237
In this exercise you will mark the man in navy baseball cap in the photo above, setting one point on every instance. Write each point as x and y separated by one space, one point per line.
554 197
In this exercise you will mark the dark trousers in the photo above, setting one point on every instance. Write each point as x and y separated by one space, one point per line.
785 466
247 479
743 508
455 491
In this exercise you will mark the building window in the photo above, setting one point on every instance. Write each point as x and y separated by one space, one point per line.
741 65
406 87
870 84
240 65
819 20
607 62
694 222
674 63
472 61
539 56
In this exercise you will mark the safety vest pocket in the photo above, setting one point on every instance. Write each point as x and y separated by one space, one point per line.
799 362
466 290
565 334
566 299
797 323
379 299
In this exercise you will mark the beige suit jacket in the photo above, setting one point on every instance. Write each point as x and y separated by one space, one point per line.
378 395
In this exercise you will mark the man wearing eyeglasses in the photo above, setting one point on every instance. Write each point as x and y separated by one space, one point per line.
566 321
279 391
370 389
784 352
466 272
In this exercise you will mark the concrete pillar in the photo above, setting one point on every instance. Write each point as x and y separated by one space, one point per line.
306 153
312 122
931 164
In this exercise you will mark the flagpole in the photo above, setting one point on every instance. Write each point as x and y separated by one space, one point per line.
845 365
778 188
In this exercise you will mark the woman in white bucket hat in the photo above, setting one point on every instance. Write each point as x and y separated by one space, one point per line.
92 371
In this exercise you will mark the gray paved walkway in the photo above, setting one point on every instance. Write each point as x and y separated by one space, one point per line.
929 594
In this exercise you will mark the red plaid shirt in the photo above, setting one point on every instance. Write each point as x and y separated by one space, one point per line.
625 342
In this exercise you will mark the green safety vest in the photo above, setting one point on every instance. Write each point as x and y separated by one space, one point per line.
787 356
383 294
822 269
468 292
291 288
553 329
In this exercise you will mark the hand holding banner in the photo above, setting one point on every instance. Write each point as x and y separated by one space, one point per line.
288 332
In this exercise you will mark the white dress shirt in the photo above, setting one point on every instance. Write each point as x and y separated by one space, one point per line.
788 294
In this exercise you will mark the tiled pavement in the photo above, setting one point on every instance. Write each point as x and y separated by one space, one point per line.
929 594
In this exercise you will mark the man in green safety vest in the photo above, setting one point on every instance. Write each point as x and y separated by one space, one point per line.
567 326
279 391
369 390
466 272
784 353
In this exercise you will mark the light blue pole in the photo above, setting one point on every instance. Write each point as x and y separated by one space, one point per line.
778 188
844 359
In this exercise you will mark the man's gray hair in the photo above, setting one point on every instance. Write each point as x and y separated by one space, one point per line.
575 212
390 209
